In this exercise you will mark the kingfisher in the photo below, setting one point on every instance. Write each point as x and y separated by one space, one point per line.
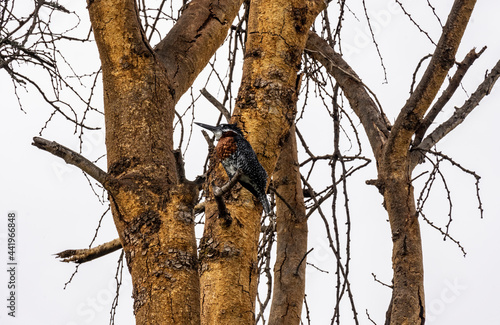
235 153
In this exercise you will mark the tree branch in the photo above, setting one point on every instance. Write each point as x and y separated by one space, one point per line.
217 104
374 121
73 158
442 60
219 193
447 93
460 113
88 254
193 40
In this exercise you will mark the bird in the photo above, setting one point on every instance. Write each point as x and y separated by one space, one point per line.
235 153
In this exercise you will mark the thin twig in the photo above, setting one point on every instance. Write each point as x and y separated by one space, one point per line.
382 283
302 260
118 279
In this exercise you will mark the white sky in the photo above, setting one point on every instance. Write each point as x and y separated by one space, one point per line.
57 209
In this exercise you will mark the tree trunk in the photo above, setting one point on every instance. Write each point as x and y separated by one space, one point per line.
152 204
291 228
391 147
151 209
395 170
408 301
265 109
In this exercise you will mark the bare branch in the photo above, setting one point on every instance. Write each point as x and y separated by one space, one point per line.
447 93
219 193
30 42
413 79
217 104
185 37
460 113
118 279
290 208
209 141
88 254
73 158
374 41
414 22
365 107
382 283
465 170
369 318
442 60
302 260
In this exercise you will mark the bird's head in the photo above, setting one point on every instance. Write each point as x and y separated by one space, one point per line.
222 129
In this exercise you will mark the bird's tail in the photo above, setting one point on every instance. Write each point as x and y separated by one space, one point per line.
265 203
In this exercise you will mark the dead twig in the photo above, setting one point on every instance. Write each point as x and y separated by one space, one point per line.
80 256
217 104
219 193
73 158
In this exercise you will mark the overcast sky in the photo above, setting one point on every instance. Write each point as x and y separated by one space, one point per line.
56 208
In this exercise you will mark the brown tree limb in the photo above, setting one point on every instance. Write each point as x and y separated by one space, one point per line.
195 37
209 141
460 113
374 121
217 104
442 60
219 192
80 256
446 95
73 158
414 77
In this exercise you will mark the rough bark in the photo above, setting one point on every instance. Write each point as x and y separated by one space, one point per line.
454 83
442 60
152 207
291 229
152 203
265 110
152 212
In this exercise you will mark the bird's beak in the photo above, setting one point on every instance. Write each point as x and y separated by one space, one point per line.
206 126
